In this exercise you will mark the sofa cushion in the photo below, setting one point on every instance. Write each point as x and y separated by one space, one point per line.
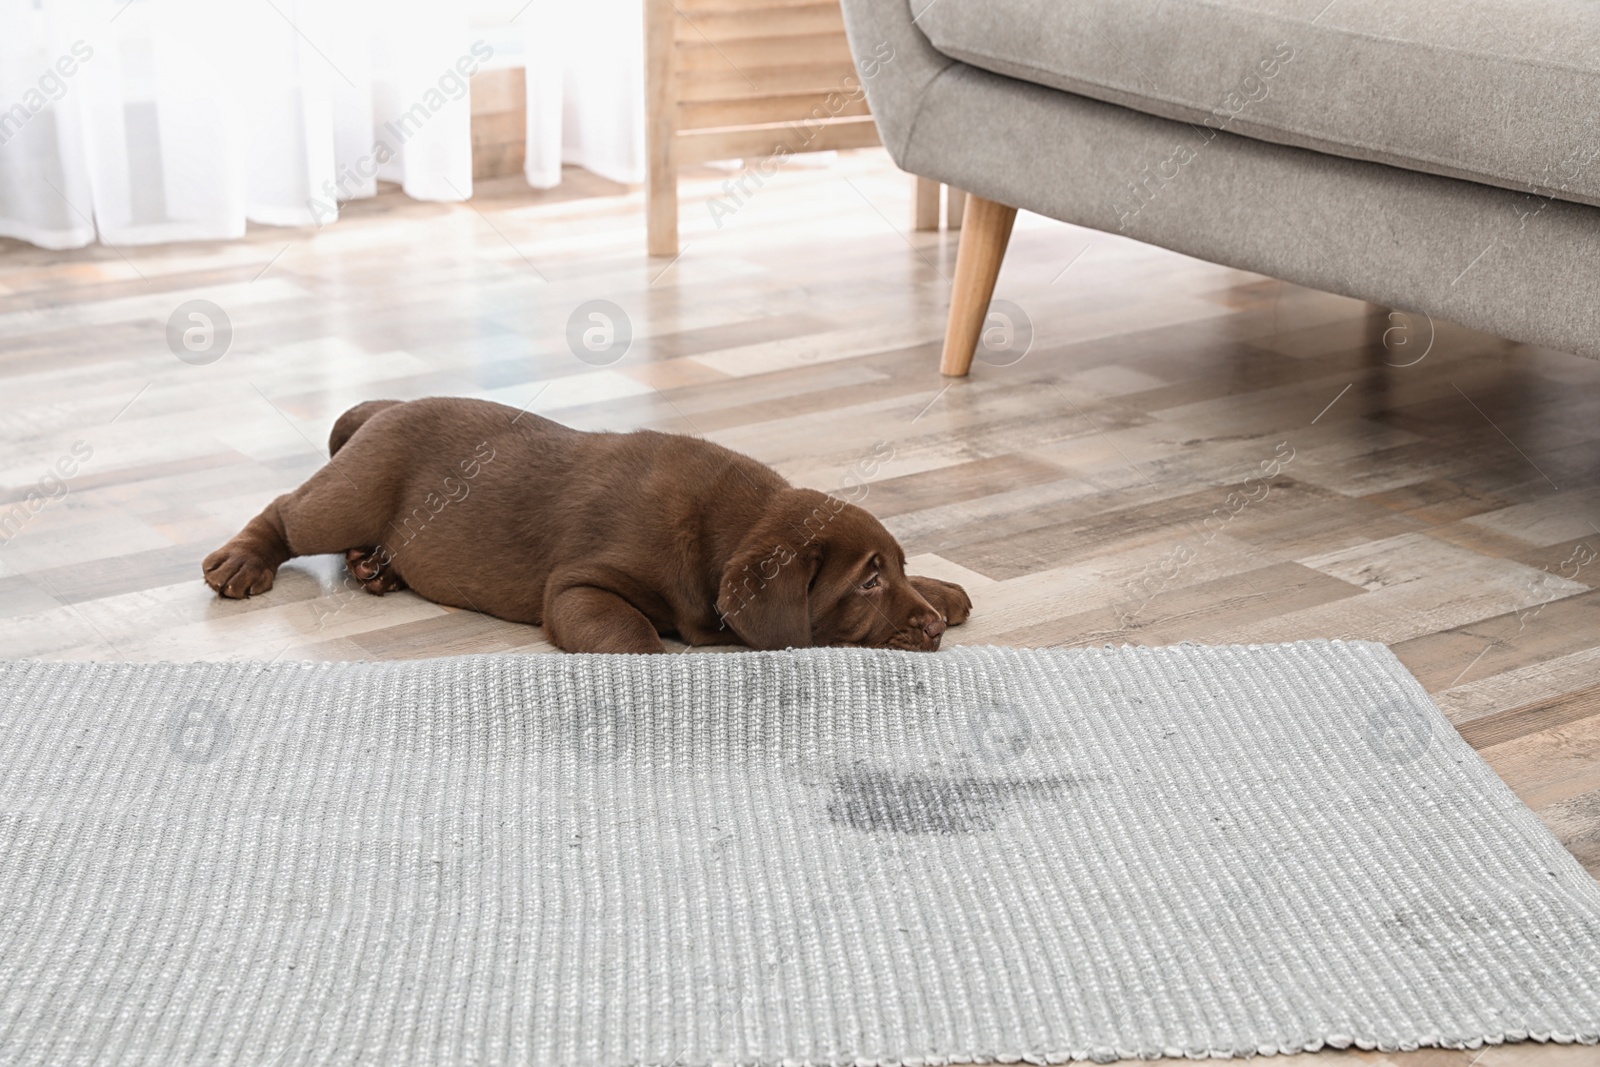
1505 92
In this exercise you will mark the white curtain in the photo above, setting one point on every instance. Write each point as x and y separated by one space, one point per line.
585 89
143 121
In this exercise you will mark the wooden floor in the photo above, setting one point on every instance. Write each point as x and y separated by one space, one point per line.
1436 489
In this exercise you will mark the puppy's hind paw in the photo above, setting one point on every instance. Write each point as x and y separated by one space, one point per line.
236 572
374 569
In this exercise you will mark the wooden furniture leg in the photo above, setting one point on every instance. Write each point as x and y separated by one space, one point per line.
661 128
927 204
986 228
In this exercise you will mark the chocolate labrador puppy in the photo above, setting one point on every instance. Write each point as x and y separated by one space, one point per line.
610 540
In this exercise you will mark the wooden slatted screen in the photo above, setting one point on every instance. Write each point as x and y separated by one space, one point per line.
729 79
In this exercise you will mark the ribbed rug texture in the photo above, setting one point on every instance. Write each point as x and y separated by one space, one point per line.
828 857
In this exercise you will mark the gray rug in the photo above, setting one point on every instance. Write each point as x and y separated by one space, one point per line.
829 857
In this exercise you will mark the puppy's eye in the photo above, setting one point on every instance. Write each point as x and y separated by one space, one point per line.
870 583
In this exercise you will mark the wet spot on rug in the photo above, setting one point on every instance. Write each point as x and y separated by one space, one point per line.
881 801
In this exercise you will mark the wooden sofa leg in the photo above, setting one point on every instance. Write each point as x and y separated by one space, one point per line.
985 230
926 210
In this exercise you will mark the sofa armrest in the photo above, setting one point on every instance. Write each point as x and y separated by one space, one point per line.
896 64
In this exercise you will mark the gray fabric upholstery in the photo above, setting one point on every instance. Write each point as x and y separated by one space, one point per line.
1520 266
1499 91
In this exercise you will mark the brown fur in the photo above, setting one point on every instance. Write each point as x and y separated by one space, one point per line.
608 540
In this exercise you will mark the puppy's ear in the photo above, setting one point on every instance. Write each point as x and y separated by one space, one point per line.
765 595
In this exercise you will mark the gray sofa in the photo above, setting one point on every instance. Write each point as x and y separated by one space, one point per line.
1426 155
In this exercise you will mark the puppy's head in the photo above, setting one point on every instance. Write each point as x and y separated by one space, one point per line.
818 571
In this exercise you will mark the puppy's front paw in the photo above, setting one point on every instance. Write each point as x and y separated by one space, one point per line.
951 600
236 572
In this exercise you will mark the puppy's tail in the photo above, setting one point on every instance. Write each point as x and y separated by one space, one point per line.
352 420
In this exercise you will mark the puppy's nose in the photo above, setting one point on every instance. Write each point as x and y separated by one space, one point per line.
934 628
